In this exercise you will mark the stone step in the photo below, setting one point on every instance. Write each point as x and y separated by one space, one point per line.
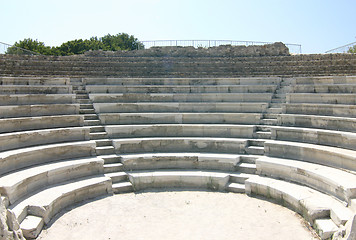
277 100
31 226
106 150
103 142
96 129
86 106
270 115
91 117
258 143
113 158
113 167
274 110
81 96
275 105
92 122
263 135
80 91
249 168
255 150
325 228
249 158
239 177
117 177
86 111
122 187
84 101
236 187
98 135
269 121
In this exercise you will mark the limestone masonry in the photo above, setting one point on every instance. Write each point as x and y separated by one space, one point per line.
249 120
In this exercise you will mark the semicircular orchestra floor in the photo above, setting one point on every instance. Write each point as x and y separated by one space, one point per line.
177 215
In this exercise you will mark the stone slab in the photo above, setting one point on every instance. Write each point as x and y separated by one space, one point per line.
332 181
38 110
180 118
19 183
14 140
179 160
339 110
180 107
42 122
324 155
183 179
180 97
180 130
25 157
180 144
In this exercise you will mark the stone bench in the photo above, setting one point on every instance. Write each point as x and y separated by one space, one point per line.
182 81
179 118
38 209
324 155
38 110
315 136
328 98
181 89
326 80
181 97
317 208
180 130
179 160
180 107
216 181
13 140
35 89
329 180
320 109
27 99
180 144
34 81
314 121
19 183
42 122
324 88
25 157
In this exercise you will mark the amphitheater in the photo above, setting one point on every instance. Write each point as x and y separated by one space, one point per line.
260 122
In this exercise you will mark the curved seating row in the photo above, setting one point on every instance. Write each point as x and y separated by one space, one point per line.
47 157
191 139
161 137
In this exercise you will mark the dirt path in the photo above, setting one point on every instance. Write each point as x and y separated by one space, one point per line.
177 215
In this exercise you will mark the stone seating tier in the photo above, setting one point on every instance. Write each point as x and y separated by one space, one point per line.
180 97
178 66
179 118
197 107
190 132
8 125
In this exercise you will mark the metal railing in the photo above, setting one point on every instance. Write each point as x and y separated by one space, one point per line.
342 49
4 49
293 48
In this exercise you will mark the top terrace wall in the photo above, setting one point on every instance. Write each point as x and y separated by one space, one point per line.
222 61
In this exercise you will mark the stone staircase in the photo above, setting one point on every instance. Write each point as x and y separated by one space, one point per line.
104 146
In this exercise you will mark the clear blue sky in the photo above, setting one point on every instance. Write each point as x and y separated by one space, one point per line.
319 25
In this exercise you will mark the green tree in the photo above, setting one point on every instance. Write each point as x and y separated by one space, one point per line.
31 45
352 49
109 42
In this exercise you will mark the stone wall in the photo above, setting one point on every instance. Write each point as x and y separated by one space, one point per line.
276 49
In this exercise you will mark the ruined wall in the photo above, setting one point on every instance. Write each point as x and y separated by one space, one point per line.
9 226
276 49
